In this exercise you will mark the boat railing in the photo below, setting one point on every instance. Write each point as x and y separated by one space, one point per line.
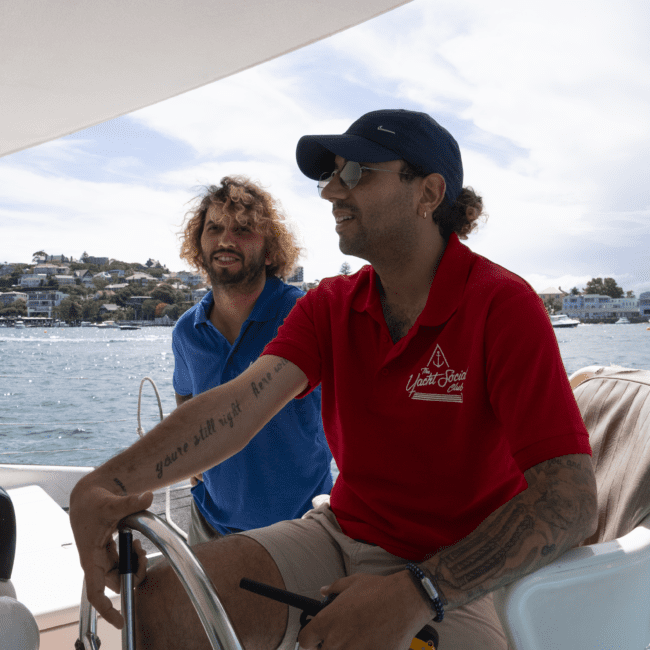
190 572
140 431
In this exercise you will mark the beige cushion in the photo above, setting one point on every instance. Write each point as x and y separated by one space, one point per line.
615 406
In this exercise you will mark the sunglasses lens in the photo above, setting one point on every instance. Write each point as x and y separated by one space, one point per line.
324 180
350 174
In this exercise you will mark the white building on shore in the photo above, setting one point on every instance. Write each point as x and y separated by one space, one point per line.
644 303
42 303
8 297
32 280
594 306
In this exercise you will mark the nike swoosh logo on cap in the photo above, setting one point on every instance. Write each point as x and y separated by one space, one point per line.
381 128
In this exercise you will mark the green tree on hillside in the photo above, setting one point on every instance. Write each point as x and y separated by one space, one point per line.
90 311
149 308
16 308
74 315
164 293
553 305
606 287
69 310
173 311
78 291
122 296
129 313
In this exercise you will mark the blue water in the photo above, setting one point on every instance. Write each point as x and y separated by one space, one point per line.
70 396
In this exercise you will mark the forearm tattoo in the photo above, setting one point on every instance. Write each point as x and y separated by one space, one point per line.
120 485
553 514
224 421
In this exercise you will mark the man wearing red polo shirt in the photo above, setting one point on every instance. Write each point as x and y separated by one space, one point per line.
464 463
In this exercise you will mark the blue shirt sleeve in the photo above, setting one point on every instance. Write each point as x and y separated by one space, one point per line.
181 381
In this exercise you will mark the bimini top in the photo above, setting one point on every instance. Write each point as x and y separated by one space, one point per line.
65 66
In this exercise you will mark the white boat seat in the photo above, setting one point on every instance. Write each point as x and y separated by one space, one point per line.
47 575
18 628
597 596
7 537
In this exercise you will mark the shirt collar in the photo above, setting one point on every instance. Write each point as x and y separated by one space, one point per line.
203 309
445 293
265 308
448 284
267 305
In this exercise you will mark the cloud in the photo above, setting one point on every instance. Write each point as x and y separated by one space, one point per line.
66 215
549 103
250 114
249 124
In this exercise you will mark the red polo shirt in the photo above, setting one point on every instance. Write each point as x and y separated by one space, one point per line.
433 433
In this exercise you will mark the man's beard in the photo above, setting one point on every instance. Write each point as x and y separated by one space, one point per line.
247 275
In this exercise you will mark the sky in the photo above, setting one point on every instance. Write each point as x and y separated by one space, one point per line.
549 101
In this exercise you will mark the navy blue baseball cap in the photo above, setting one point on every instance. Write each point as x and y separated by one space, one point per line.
379 136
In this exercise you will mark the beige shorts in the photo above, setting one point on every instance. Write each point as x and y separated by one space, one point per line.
313 552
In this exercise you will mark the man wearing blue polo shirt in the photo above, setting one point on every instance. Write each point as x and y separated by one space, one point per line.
237 236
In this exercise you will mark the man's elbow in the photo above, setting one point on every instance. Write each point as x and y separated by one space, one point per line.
587 522
180 399
592 517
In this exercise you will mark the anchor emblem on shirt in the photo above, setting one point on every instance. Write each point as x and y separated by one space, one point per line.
438 358
437 381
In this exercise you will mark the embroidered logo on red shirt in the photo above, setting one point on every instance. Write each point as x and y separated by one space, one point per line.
436 381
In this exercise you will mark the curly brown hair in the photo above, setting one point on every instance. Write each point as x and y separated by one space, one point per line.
248 204
461 217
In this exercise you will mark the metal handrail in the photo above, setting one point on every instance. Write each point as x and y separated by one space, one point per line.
190 572
87 624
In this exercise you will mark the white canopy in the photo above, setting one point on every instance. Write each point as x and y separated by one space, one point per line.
68 64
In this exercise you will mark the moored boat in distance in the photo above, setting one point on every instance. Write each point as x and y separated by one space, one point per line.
622 321
109 324
562 320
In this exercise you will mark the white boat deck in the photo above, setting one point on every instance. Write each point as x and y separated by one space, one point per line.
47 576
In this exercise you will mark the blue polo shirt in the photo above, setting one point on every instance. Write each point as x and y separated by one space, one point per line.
288 462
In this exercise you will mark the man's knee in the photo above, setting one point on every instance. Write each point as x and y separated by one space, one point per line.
166 617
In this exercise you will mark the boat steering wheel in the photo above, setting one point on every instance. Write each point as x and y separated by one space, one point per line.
189 570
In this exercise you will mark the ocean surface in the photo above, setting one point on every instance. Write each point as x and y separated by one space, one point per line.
69 396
